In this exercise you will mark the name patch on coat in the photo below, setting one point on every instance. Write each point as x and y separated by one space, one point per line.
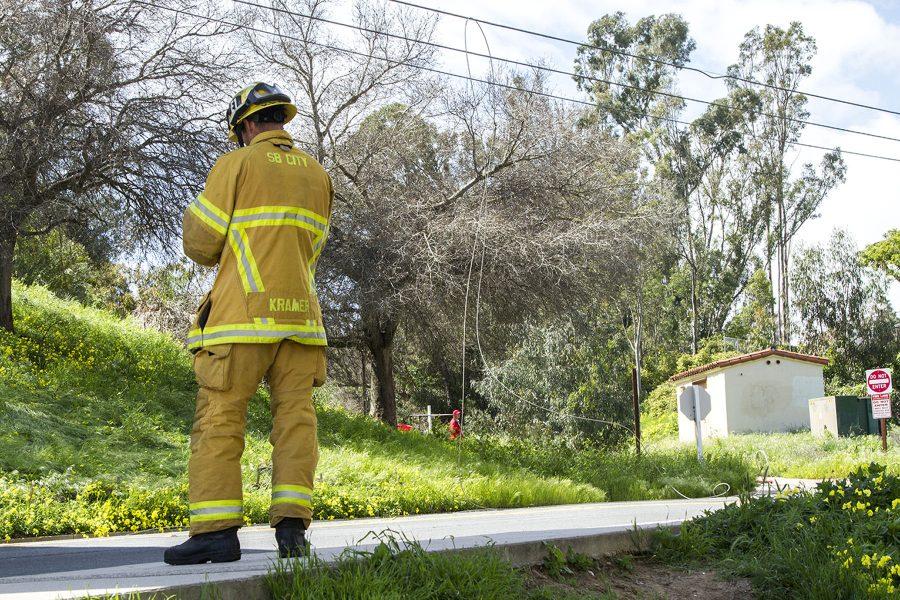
288 305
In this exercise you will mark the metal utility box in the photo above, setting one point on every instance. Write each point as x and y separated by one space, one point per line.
843 416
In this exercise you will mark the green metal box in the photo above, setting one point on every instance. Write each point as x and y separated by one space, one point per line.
843 416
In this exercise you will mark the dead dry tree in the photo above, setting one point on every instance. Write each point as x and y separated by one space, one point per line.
108 120
431 176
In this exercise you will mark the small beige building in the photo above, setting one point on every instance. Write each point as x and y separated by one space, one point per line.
762 391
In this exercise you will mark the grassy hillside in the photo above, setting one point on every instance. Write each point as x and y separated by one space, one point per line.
94 421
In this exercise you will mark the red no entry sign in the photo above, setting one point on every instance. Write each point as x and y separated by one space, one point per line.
878 381
878 386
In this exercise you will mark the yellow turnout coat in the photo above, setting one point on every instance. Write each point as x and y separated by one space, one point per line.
263 217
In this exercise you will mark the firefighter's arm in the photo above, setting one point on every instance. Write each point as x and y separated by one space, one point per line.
206 219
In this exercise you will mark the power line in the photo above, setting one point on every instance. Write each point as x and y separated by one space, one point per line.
708 74
464 77
558 71
553 70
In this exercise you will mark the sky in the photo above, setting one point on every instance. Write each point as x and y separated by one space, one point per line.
858 59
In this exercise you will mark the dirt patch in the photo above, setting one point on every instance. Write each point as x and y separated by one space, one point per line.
639 577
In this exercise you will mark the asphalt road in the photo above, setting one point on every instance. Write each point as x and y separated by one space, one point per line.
74 568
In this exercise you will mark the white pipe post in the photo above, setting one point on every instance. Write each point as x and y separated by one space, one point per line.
697 429
429 418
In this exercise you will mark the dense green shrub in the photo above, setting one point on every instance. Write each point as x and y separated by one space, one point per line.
840 541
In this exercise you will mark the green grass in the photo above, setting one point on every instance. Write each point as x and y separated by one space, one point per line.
805 456
801 455
400 569
841 541
394 570
94 421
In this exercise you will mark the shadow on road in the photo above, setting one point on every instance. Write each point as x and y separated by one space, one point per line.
19 561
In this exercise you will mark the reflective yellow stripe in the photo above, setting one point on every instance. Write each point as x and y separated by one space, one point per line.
217 517
296 210
254 269
240 263
203 200
246 264
292 488
292 494
216 510
195 210
299 501
318 245
214 504
254 333
292 328
257 339
317 232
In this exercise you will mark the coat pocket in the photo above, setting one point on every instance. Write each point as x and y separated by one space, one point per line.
212 366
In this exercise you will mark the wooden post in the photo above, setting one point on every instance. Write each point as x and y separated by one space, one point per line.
883 435
637 411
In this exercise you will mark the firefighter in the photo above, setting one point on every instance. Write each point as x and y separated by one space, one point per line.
263 219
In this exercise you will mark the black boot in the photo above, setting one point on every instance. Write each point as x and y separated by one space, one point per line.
290 533
217 546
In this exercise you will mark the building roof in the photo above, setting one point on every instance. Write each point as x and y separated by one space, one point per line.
727 362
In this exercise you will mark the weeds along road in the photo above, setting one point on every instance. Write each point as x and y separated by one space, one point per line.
73 568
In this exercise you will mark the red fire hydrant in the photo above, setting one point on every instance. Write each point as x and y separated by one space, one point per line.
455 427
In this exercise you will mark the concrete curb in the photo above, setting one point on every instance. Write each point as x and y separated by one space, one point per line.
521 554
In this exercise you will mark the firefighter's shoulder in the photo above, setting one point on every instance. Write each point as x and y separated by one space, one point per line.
232 159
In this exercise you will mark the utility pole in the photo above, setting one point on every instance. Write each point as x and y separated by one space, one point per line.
637 411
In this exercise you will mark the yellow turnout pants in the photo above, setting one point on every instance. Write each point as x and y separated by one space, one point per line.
229 375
